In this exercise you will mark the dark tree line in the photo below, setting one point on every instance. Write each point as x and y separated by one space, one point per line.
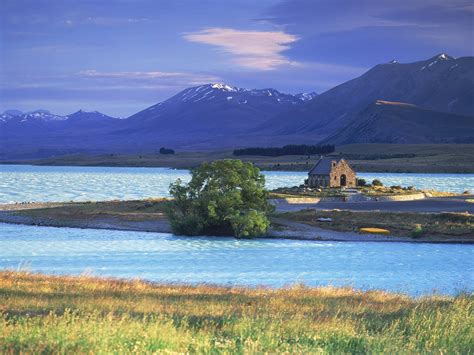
292 149
164 150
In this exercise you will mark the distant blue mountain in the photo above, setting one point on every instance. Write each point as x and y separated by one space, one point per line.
217 116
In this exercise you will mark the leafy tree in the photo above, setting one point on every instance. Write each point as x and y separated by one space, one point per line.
226 197
361 182
377 182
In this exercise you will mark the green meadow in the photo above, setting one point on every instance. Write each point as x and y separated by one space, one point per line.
46 314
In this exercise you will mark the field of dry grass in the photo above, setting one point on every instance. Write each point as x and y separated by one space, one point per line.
44 314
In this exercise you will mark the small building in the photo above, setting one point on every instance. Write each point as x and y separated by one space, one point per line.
332 172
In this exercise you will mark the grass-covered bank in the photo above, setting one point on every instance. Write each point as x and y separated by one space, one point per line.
66 314
419 226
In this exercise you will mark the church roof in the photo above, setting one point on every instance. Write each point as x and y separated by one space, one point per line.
323 166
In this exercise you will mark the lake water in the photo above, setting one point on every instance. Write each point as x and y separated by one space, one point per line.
45 183
410 268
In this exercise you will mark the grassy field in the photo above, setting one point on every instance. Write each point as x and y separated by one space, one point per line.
43 314
434 158
416 225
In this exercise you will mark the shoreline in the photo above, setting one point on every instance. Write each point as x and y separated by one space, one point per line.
299 168
281 228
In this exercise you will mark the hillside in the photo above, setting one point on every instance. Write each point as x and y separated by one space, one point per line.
441 83
397 122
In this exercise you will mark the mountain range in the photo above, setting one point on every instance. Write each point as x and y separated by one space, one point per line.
430 101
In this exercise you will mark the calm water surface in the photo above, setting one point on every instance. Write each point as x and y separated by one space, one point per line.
411 268
45 183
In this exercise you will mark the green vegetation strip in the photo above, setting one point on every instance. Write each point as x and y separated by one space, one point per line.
43 314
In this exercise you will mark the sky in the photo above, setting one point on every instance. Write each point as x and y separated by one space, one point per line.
121 56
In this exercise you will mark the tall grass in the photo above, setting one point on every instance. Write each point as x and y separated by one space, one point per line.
44 314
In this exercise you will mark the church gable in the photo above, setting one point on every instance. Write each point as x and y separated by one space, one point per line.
331 172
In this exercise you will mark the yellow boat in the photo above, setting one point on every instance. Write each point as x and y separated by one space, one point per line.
374 230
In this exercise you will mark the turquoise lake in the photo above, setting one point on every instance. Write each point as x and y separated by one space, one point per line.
403 267
415 269
19 183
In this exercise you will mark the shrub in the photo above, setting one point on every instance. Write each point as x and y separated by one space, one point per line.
377 182
396 187
361 182
417 231
226 197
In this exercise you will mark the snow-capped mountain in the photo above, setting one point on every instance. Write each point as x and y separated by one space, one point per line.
210 92
88 116
306 96
46 116
216 116
34 116
214 108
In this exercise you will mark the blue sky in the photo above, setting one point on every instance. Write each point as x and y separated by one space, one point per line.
120 56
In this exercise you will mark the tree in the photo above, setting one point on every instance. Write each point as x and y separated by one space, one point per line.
164 150
377 182
226 197
361 182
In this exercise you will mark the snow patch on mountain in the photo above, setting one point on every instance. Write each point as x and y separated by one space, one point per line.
306 96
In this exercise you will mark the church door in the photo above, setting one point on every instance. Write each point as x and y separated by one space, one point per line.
343 180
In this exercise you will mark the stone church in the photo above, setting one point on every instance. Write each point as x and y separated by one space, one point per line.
332 172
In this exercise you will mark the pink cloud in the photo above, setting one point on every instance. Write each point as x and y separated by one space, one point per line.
260 50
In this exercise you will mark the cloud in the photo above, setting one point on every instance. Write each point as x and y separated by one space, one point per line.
105 21
260 50
151 78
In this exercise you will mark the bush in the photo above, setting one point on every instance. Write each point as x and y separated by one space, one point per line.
226 197
361 182
164 150
417 231
396 187
377 182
